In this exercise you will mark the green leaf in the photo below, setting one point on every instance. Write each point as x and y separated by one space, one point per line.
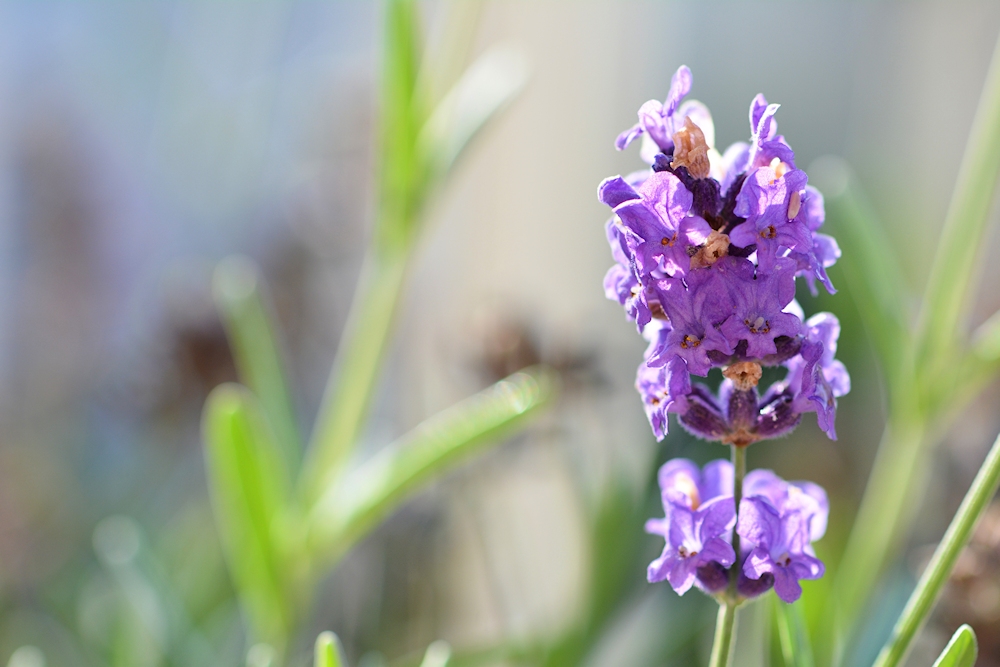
961 651
868 266
245 473
489 84
328 651
239 295
949 292
795 647
401 118
919 606
353 378
348 510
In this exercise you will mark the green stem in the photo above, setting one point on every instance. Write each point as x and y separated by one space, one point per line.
936 575
739 458
352 380
725 626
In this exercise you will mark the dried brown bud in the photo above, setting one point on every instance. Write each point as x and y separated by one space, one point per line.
690 150
744 374
715 248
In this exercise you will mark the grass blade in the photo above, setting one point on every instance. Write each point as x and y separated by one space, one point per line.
353 378
795 647
949 293
239 295
485 88
936 575
868 266
328 651
367 495
401 117
244 473
961 651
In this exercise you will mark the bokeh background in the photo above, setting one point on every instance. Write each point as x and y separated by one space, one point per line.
140 143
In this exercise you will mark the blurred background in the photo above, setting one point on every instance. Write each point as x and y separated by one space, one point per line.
140 143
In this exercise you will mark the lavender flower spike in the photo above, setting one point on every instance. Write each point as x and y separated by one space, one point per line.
698 521
707 249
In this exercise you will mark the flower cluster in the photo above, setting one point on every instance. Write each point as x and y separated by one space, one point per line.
778 522
707 248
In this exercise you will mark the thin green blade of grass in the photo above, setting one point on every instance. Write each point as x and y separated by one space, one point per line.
328 651
961 651
243 468
868 265
370 493
949 287
240 298
485 88
919 606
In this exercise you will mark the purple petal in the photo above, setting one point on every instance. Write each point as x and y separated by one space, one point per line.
786 585
614 191
758 522
717 518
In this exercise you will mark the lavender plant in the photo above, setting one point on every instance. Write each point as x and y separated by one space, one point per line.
708 248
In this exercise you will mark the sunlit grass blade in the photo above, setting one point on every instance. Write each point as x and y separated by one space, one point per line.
795 647
328 651
438 655
869 265
240 297
961 651
244 473
355 373
401 117
919 606
949 287
370 493
489 83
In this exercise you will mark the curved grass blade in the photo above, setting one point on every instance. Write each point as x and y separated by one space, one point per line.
484 89
438 655
868 265
795 648
328 651
919 606
238 291
245 473
367 495
949 293
961 651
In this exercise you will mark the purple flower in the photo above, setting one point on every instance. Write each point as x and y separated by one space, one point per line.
657 228
758 305
779 521
771 200
815 378
656 119
663 390
683 483
693 313
707 248
698 522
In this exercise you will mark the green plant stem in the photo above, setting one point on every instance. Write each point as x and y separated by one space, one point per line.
739 458
352 380
914 615
725 626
